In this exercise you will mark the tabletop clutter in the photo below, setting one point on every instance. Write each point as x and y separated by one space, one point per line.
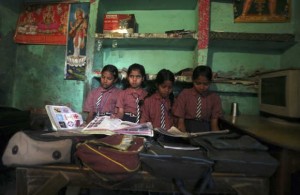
115 150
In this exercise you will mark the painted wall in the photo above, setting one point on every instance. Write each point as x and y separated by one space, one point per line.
149 21
39 69
9 11
290 59
241 63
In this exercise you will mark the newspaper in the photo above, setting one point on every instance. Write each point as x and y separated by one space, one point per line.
64 118
107 125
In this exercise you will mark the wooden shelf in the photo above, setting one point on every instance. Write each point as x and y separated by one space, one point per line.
269 42
149 40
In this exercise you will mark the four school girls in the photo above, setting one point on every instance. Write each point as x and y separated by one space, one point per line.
195 109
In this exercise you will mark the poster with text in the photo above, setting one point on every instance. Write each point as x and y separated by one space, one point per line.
43 24
76 59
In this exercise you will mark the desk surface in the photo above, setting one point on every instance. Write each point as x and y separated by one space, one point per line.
275 132
50 179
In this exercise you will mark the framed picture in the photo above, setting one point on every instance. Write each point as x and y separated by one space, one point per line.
43 24
262 10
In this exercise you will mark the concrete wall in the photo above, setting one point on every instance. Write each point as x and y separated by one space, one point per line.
9 12
242 63
33 74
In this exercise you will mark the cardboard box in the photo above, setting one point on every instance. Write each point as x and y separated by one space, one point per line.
119 23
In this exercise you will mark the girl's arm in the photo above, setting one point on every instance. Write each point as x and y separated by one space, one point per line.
89 118
214 124
120 113
181 125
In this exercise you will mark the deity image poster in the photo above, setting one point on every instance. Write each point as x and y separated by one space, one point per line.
43 24
76 60
262 10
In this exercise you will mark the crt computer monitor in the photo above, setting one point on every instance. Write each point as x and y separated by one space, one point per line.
279 94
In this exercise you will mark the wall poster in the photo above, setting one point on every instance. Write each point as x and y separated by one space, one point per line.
43 24
75 62
262 10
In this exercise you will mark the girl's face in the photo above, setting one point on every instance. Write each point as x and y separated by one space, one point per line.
165 89
201 84
135 79
107 79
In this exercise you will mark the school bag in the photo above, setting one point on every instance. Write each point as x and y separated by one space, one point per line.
112 158
24 150
189 170
235 153
29 148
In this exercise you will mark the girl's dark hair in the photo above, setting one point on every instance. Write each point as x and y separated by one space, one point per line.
138 67
112 69
162 76
202 71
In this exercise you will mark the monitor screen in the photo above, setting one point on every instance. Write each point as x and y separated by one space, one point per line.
273 91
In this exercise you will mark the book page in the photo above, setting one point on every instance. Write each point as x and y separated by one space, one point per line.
63 118
107 125
175 132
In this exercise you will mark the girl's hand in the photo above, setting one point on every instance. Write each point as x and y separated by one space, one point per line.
84 124
182 128
113 116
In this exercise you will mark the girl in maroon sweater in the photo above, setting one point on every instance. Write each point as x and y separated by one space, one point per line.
130 99
198 109
157 105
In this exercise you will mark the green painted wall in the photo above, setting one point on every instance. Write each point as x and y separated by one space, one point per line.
242 63
40 78
33 74
9 11
291 57
39 73
162 20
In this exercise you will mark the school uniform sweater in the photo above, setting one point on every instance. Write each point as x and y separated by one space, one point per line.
185 105
151 111
127 99
107 103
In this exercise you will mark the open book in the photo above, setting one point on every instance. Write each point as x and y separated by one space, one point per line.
63 118
177 143
107 125
174 132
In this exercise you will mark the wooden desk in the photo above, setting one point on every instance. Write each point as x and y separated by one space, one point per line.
284 139
48 180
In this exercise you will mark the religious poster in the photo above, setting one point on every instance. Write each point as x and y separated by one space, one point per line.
43 24
262 10
75 63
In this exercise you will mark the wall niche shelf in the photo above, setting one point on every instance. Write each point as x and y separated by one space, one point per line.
270 42
149 40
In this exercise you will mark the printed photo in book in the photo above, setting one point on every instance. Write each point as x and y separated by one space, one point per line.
63 118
